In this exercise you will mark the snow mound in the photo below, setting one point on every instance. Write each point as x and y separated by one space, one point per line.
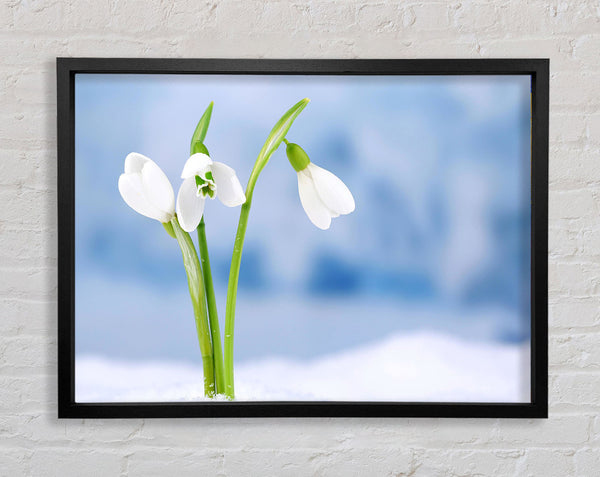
419 367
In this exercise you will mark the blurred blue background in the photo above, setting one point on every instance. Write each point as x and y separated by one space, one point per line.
439 168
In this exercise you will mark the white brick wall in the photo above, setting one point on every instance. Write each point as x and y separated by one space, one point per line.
34 442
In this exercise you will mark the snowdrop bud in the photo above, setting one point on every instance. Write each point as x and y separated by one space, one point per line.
297 157
323 195
146 189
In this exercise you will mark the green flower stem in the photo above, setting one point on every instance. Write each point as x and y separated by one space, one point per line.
196 287
234 275
273 141
213 316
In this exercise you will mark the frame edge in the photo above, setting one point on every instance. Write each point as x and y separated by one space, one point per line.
66 68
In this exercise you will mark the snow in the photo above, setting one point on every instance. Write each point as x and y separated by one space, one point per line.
417 367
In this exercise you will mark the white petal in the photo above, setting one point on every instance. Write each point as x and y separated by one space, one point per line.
317 211
229 189
332 191
158 189
134 162
132 191
189 206
195 164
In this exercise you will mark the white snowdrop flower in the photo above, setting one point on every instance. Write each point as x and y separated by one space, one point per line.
323 195
146 189
204 178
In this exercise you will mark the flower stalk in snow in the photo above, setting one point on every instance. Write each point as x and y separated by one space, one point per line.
197 147
273 141
146 189
198 295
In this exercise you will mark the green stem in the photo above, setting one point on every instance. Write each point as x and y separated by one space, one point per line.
197 294
213 316
234 275
276 136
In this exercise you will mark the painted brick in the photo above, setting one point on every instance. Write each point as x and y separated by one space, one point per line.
587 461
475 16
576 389
27 354
566 430
574 279
573 313
587 93
33 33
566 128
585 49
575 351
333 16
548 462
468 462
380 17
575 166
62 462
44 15
593 129
192 463
15 462
27 316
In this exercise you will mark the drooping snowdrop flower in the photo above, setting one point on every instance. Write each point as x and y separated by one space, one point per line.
204 178
322 194
146 189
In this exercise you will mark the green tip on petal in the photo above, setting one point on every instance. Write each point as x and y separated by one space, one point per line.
297 157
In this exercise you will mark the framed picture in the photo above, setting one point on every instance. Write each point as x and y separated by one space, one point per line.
373 234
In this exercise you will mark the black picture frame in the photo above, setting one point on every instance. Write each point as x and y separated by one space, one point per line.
67 68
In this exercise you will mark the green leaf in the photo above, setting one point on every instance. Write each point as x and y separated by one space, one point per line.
276 136
202 127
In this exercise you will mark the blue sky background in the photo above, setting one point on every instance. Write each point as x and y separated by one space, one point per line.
439 168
